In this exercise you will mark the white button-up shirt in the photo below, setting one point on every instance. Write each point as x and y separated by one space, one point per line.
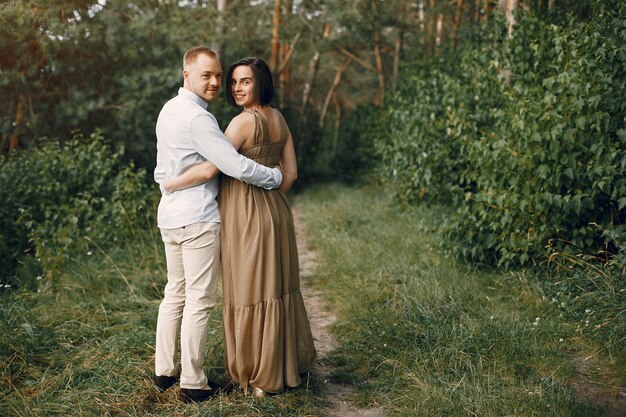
187 134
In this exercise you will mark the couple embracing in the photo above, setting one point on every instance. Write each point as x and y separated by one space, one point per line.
267 336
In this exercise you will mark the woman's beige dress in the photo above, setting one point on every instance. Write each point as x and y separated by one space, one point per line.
267 335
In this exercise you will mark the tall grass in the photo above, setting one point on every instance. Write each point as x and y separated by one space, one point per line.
426 336
417 332
84 346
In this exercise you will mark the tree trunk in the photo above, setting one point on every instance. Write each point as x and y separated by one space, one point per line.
220 27
380 97
420 18
397 55
477 11
550 4
275 36
487 10
328 30
431 28
509 7
291 47
457 23
312 74
284 73
14 139
512 5
332 89
439 32
308 84
337 122
398 44
356 59
306 93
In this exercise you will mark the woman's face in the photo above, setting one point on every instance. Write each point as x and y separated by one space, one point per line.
243 83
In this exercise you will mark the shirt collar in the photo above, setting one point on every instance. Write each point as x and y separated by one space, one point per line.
193 97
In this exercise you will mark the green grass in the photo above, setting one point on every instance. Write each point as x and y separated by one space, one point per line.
84 345
419 333
424 335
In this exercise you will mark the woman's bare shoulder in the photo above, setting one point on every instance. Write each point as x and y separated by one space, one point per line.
241 126
242 121
277 113
243 118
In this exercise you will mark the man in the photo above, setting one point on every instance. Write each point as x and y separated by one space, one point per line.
187 134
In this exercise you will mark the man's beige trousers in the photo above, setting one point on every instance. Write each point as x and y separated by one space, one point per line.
193 259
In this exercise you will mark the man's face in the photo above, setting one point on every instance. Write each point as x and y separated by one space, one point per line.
204 77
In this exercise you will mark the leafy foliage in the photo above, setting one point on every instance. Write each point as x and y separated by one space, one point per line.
85 64
524 137
63 198
82 66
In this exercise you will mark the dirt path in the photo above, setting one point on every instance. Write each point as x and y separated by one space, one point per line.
321 320
595 382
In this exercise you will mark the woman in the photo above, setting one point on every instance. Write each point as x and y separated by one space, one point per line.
267 335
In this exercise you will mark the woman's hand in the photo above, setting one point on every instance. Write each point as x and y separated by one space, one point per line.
168 185
195 175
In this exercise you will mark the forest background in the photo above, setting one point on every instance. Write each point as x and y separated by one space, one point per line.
508 115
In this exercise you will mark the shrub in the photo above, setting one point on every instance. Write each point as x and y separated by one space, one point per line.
59 198
524 137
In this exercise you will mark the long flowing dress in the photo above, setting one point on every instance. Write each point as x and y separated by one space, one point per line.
267 335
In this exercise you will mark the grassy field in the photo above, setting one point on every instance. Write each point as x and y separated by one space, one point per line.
418 332
84 345
425 335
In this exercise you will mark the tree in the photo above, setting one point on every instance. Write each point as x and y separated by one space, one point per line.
274 58
220 27
77 64
457 23
509 7
27 32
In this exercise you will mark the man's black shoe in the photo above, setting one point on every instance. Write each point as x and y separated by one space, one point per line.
164 382
196 395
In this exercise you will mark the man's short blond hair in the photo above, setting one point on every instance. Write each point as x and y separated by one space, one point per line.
192 54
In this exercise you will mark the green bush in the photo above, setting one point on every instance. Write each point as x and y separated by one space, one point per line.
523 137
60 198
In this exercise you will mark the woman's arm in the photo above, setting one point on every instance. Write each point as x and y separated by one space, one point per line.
288 164
240 129
195 175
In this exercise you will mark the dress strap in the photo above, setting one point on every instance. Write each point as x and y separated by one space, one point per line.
261 131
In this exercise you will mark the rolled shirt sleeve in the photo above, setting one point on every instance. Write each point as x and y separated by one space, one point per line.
209 141
159 172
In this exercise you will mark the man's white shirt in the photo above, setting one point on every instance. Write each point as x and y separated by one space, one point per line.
187 134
